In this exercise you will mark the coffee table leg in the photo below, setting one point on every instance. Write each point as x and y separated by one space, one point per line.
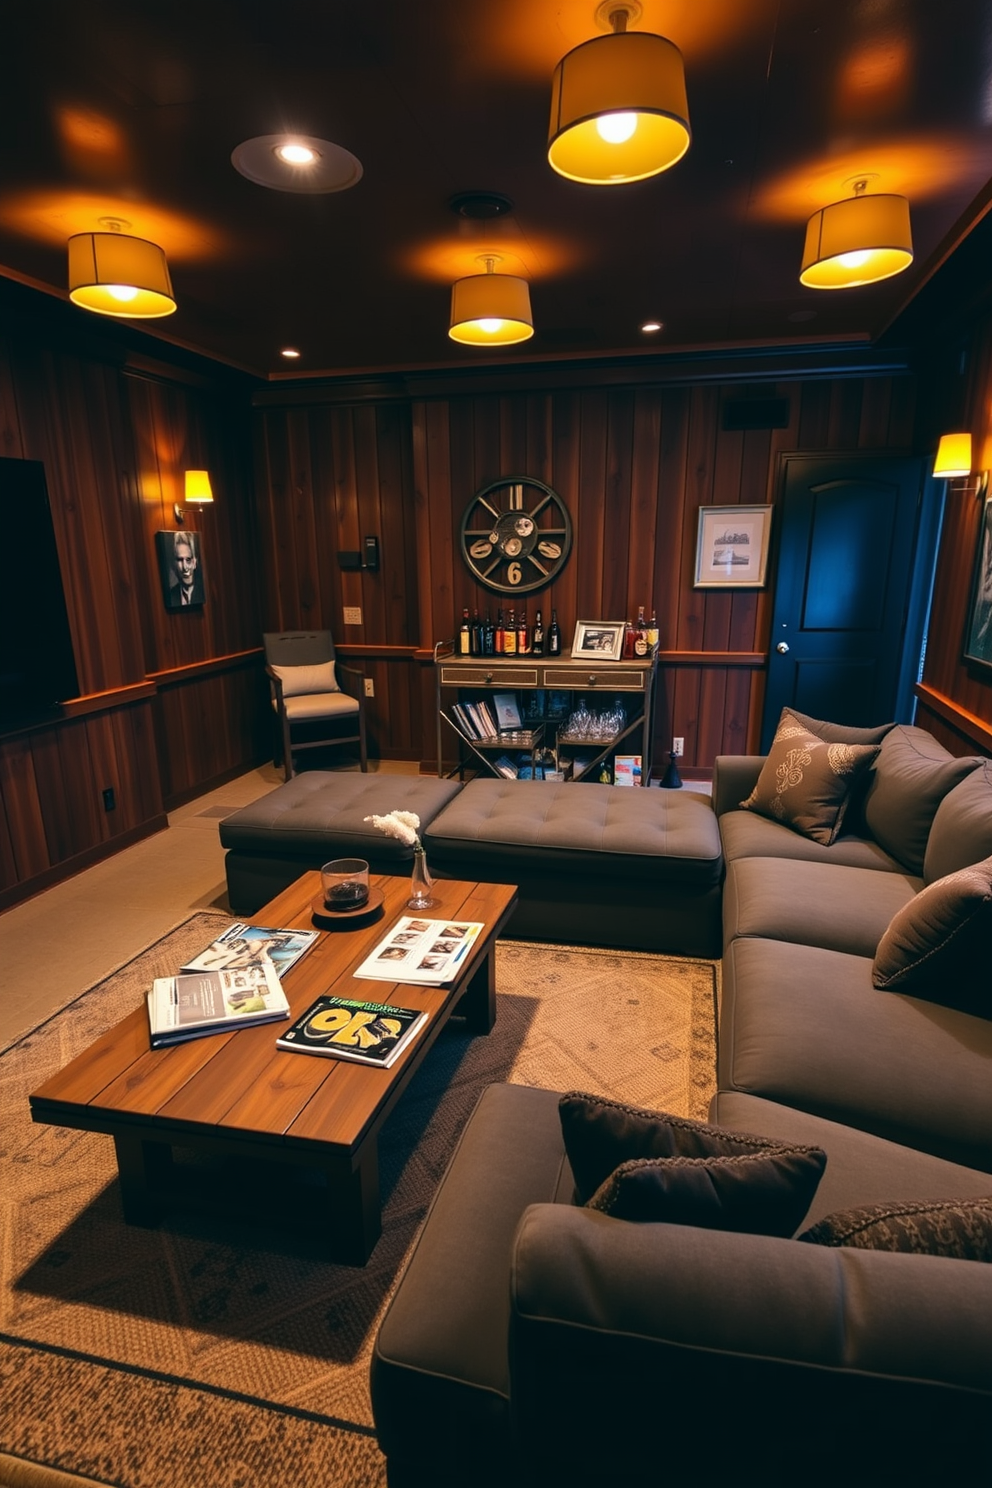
353 1211
143 1167
478 1001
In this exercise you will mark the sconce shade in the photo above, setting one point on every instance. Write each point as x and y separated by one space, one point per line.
490 310
198 487
857 241
953 456
632 73
114 274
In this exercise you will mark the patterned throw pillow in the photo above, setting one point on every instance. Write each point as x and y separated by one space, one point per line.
648 1166
936 946
806 783
958 1228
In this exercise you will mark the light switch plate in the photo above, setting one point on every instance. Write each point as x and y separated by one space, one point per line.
352 615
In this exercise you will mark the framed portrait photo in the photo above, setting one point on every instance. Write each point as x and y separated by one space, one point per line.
978 636
600 640
732 547
180 568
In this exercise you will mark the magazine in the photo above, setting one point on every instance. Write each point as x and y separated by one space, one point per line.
203 1002
342 1028
507 711
428 953
243 945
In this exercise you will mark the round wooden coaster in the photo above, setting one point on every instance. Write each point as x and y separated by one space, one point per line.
346 919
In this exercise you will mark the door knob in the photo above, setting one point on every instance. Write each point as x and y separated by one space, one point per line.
782 648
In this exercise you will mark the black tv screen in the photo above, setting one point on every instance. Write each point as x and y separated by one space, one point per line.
37 666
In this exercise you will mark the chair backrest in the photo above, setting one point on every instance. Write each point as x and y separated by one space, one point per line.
298 647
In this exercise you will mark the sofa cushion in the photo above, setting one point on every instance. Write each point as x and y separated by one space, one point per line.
937 945
960 1229
746 835
297 680
839 733
806 783
842 909
912 775
651 1166
961 833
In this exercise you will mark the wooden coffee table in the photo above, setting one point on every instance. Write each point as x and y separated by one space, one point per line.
299 1131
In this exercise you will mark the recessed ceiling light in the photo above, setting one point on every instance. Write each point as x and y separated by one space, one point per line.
277 161
652 325
290 352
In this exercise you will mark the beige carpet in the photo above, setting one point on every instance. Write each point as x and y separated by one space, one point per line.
225 1356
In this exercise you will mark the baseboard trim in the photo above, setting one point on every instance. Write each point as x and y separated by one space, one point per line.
69 867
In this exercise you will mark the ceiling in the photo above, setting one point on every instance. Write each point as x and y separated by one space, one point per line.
132 111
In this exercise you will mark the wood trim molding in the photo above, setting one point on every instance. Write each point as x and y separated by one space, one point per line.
754 660
959 718
379 653
175 676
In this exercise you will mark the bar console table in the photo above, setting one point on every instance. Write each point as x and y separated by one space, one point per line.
458 677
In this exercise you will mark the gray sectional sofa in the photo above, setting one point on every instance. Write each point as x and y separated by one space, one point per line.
559 1345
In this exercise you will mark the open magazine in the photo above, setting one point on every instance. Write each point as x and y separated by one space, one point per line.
242 945
429 953
203 1002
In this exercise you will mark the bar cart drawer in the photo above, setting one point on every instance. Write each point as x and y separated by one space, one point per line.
488 676
579 679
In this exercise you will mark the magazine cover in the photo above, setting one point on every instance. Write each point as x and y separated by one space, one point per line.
243 946
186 1006
426 952
369 1032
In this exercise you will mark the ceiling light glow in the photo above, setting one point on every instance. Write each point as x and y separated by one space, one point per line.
112 273
651 325
296 154
615 129
123 292
474 301
861 240
290 352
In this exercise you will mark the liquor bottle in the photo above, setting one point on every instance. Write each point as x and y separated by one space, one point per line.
499 636
537 643
653 635
488 636
476 646
554 635
523 635
510 636
628 641
640 635
465 636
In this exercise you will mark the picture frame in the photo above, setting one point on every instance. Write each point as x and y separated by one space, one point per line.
978 634
180 568
599 640
732 547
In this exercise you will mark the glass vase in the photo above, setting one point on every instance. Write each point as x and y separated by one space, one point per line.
421 882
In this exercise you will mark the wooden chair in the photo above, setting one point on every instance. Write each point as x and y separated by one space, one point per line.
317 701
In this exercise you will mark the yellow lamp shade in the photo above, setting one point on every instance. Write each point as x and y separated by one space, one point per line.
490 310
857 241
198 488
114 274
953 456
618 109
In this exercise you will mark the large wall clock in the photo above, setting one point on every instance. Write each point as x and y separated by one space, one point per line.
516 535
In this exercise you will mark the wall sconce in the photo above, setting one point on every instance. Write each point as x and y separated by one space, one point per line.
490 309
953 461
857 241
198 488
114 274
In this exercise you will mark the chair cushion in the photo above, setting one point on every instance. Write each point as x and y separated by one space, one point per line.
805 783
912 775
936 947
296 680
961 833
839 733
958 1228
309 705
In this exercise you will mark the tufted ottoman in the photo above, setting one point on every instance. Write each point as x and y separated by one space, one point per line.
594 864
317 816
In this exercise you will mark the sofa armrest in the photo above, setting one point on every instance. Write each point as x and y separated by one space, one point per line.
734 778
614 1323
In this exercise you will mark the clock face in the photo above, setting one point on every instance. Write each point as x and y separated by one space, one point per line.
516 535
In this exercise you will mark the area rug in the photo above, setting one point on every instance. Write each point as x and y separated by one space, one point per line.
214 1355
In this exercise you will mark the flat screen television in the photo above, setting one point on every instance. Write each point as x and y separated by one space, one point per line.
37 665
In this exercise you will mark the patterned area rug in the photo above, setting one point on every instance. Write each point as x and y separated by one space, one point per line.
214 1355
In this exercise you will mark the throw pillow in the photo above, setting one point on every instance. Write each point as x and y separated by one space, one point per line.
649 1166
912 775
806 783
958 1228
839 733
936 946
300 681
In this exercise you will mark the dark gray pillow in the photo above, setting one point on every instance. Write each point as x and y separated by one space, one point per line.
912 775
806 783
936 946
648 1166
960 1229
961 833
839 733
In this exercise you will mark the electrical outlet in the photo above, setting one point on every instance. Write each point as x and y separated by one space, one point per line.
369 686
109 799
678 746
352 615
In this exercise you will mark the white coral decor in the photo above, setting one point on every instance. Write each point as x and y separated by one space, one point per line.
403 825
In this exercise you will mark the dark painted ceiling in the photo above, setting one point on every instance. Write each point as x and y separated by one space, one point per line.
131 109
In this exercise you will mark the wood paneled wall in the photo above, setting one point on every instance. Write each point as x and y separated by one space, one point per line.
633 465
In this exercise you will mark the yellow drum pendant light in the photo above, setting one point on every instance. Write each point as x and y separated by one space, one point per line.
490 309
857 241
618 107
115 274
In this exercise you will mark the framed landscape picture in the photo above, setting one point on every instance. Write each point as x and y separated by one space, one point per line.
978 638
732 547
